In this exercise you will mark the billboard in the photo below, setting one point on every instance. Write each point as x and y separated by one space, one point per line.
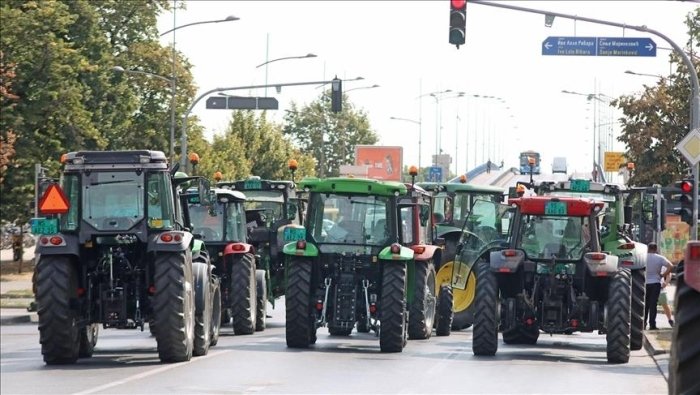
385 163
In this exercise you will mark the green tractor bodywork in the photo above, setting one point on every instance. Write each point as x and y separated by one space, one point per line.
364 244
453 202
116 253
613 232
271 206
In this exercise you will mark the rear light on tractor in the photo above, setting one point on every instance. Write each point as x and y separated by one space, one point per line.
372 308
691 268
238 247
626 246
597 256
395 248
319 305
56 240
509 253
171 237
418 249
301 244
52 241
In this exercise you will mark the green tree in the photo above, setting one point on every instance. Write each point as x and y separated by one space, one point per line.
310 125
251 145
656 120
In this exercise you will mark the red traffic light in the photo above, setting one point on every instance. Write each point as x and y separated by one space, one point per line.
686 186
458 4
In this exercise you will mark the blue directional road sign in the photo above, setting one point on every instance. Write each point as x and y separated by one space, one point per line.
435 174
599 46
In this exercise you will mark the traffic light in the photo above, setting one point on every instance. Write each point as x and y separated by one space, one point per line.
458 22
685 198
337 95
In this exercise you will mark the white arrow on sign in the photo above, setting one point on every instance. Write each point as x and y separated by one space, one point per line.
649 46
547 45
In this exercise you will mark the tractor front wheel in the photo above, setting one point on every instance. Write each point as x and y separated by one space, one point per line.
422 310
243 294
618 317
485 331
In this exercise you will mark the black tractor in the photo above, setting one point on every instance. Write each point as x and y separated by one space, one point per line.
551 276
114 249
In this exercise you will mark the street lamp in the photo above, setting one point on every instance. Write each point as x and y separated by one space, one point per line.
420 127
362 87
440 95
171 81
308 55
643 74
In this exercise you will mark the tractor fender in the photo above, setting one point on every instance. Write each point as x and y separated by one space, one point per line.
69 245
310 250
157 244
601 267
238 248
198 245
506 261
634 259
405 254
424 253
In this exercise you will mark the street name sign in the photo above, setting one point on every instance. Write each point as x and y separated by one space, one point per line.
690 147
599 46
242 103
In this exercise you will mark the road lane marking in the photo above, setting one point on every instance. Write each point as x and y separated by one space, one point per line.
149 373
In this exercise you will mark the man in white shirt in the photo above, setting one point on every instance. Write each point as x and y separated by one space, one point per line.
655 267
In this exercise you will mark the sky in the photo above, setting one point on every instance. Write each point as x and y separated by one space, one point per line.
403 47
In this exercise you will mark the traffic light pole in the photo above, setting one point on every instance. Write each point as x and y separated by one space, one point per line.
183 142
694 82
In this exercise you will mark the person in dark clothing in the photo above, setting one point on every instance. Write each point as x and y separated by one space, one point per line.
488 166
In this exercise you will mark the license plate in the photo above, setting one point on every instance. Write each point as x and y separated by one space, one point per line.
580 185
252 184
294 234
44 226
555 208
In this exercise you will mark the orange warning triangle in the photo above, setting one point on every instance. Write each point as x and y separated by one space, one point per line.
54 201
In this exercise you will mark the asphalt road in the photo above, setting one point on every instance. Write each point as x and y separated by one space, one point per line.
126 361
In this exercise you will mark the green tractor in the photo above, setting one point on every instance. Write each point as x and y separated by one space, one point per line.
243 282
453 202
270 208
114 250
365 258
615 237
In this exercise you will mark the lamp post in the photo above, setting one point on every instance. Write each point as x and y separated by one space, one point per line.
363 87
643 74
603 99
420 127
438 96
170 81
267 62
173 79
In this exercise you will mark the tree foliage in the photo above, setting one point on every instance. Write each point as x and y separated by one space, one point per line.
311 125
656 120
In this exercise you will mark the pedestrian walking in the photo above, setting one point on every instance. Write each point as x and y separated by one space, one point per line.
663 302
656 263
488 166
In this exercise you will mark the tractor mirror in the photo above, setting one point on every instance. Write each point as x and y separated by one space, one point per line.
204 192
627 214
291 211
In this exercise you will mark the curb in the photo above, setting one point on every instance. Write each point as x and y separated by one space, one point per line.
651 346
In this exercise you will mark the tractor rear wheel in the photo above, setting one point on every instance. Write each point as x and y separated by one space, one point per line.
445 313
392 310
173 306
203 309
685 355
300 326
261 302
618 317
243 294
88 340
485 331
215 313
638 295
422 310
57 291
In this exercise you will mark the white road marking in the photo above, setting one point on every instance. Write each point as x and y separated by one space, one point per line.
149 373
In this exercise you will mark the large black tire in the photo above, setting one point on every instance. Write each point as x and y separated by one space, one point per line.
300 327
173 306
638 296
203 309
215 313
57 292
684 363
392 308
485 331
88 340
618 317
444 313
243 294
422 311
261 302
